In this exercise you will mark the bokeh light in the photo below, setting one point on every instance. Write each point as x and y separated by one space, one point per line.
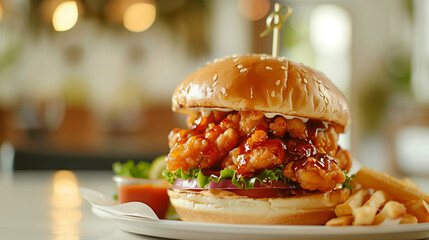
66 192
1 12
253 10
139 16
65 213
330 29
65 16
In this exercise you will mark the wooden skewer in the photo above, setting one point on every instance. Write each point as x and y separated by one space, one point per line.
276 31
274 23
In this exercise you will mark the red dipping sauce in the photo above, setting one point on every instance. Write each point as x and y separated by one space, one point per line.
152 192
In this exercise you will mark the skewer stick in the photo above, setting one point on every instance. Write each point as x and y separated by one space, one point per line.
276 35
274 23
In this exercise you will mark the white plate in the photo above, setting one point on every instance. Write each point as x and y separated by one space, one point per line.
186 230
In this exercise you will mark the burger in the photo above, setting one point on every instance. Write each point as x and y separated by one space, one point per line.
261 144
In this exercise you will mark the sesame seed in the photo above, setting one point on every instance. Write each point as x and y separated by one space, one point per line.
214 84
215 77
305 88
283 67
243 70
223 90
240 66
273 94
304 70
319 81
269 68
263 58
235 60
292 112
278 82
326 86
305 81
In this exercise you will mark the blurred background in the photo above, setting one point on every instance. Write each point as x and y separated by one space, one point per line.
84 83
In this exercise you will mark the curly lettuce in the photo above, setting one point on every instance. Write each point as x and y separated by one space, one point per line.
230 174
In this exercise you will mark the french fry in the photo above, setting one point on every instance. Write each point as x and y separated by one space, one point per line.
353 202
410 183
340 221
420 209
392 210
408 219
365 215
396 188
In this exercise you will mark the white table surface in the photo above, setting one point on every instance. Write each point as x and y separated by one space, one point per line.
27 210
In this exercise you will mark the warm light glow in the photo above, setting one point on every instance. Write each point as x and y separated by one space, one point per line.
330 35
65 214
1 12
139 16
66 193
330 29
65 16
67 237
253 9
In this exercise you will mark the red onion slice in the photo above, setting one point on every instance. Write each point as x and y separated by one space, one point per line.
192 184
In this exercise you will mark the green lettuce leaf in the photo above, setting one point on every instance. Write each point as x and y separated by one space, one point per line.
347 183
240 182
130 169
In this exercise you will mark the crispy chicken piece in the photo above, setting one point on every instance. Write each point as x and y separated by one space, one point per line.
203 150
326 141
201 120
315 174
176 135
251 121
278 127
258 152
195 152
296 128
343 158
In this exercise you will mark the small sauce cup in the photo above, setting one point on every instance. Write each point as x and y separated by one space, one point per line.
152 192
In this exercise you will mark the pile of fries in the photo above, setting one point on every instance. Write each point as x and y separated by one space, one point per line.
378 198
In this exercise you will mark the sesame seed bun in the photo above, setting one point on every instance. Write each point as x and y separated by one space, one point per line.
263 83
221 207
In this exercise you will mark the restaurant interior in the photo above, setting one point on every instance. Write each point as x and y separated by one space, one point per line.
86 83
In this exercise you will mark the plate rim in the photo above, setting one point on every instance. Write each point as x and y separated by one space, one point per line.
273 230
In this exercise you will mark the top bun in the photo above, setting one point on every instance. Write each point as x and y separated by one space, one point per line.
263 83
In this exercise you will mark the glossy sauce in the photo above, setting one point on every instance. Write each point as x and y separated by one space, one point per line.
276 144
153 195
287 148
210 152
313 127
299 148
322 161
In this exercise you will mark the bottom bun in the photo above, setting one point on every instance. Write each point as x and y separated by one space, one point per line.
218 206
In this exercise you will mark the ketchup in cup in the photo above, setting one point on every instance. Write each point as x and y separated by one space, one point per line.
152 192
